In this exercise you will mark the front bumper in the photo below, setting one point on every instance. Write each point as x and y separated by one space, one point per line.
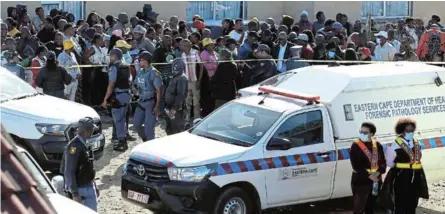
48 150
172 196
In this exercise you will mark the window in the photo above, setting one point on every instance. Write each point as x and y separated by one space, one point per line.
49 5
237 123
217 10
302 129
38 175
386 9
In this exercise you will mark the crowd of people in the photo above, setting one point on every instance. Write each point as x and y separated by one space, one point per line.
214 68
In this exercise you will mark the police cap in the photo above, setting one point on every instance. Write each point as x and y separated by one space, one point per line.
145 56
86 122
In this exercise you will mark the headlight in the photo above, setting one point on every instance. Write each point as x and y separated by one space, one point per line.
51 129
192 174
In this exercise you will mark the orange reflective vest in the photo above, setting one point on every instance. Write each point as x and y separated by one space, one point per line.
372 156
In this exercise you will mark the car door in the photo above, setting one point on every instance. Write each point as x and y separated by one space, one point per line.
305 171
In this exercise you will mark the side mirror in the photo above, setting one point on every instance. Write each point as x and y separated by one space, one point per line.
279 143
58 183
196 121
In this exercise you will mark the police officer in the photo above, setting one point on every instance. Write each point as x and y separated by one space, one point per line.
118 96
149 84
77 166
175 95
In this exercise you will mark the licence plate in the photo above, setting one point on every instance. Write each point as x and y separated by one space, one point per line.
95 145
138 196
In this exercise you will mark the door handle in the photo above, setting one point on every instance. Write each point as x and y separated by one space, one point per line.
324 154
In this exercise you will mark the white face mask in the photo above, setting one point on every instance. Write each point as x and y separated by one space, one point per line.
194 29
364 137
377 40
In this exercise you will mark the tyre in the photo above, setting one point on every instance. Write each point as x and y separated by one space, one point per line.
233 200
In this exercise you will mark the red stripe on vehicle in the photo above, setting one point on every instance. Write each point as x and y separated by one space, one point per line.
169 164
298 160
242 166
439 142
426 143
227 168
284 161
312 157
256 165
270 163
340 155
157 160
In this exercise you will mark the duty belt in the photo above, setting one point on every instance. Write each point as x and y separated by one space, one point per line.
409 166
145 100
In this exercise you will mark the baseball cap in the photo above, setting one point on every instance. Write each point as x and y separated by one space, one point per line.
51 55
263 47
117 52
303 37
145 55
383 34
122 44
296 48
86 122
139 29
337 25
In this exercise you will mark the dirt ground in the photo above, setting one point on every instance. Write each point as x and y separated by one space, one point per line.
109 171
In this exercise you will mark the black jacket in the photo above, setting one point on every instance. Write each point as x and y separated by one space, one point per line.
276 50
176 92
223 83
258 72
53 79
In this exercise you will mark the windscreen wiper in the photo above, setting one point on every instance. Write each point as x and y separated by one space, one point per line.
240 143
208 137
25 96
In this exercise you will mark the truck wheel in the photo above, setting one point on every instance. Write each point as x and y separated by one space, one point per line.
233 200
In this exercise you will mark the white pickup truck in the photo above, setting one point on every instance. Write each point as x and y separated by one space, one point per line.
43 124
288 144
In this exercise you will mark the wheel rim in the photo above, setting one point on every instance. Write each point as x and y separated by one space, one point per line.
235 206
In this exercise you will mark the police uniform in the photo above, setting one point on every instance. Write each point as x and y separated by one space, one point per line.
120 74
175 95
147 81
366 158
78 169
405 182
294 62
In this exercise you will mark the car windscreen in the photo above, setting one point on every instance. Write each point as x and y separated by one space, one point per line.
237 123
12 87
277 79
43 182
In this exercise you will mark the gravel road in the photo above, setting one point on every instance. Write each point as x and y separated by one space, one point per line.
109 171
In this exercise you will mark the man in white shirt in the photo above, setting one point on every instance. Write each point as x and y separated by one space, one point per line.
383 49
238 32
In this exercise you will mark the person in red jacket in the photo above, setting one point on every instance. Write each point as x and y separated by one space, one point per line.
38 61
431 43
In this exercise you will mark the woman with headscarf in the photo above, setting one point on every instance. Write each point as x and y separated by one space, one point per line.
38 61
304 22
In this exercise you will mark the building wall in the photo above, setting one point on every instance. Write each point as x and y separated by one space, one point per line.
260 9
164 9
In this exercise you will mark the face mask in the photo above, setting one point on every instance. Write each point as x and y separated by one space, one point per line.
331 54
409 135
364 137
194 29
377 40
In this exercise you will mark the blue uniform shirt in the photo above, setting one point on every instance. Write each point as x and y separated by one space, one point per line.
74 151
112 75
147 80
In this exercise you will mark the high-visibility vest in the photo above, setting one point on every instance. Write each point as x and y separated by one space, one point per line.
372 156
414 156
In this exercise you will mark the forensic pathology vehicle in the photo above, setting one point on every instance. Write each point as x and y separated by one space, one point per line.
288 144
43 124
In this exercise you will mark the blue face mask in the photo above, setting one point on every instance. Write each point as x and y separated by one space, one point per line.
331 54
364 137
377 40
409 135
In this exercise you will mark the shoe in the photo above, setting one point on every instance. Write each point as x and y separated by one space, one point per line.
130 138
120 146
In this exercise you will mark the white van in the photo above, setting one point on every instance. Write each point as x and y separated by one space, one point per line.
43 124
289 144
61 204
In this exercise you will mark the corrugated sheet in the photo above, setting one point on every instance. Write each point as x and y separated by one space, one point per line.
19 189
